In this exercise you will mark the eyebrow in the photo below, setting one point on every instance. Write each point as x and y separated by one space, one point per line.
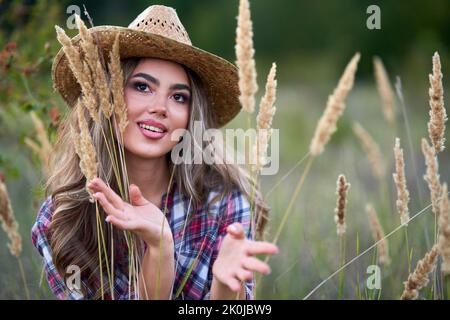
177 86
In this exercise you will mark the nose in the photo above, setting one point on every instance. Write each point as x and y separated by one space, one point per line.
158 106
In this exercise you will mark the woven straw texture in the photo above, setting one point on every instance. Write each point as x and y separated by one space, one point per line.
158 33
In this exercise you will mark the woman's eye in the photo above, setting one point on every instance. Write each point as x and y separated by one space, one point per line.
180 98
140 86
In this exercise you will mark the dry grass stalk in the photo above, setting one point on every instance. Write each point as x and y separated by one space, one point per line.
82 73
244 54
378 235
44 148
9 222
432 175
93 59
119 106
341 192
438 116
444 231
419 278
84 147
334 109
384 89
400 183
371 149
264 119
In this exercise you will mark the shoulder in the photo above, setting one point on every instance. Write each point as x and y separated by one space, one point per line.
45 212
220 209
233 207
232 202
43 220
39 237
237 202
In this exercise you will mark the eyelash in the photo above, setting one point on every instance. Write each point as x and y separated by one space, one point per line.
136 85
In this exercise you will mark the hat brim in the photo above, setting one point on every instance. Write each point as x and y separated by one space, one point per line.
219 76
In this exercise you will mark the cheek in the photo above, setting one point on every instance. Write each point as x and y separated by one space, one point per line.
131 112
181 119
128 100
132 104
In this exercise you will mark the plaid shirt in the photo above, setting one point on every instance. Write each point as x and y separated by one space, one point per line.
202 237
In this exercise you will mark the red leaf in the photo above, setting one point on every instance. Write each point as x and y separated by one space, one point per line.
54 115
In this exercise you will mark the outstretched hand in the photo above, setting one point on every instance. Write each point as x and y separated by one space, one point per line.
236 261
140 216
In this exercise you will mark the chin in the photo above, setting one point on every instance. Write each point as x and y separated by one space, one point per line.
152 154
147 152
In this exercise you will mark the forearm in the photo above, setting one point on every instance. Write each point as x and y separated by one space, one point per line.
220 291
152 264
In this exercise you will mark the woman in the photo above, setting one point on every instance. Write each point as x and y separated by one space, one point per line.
195 228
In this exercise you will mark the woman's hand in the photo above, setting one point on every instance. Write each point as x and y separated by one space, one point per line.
141 216
236 261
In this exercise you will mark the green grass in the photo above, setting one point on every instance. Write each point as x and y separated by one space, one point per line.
309 246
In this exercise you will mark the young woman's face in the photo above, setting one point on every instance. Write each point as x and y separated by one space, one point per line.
157 95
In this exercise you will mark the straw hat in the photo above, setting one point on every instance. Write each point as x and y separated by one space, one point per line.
158 33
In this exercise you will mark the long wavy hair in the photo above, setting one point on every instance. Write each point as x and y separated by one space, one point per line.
72 232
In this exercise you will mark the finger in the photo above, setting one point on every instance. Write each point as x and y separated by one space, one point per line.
108 207
136 196
98 184
121 224
236 230
234 284
256 265
259 247
244 275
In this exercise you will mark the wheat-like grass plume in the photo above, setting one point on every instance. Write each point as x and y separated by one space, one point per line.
432 175
384 89
438 115
342 187
245 57
93 59
419 277
119 106
378 235
9 223
372 150
264 119
44 148
400 183
334 109
82 73
444 231
85 148
72 54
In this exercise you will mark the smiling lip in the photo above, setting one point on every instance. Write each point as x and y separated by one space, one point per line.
152 134
154 123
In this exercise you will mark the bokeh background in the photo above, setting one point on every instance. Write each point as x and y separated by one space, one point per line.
311 42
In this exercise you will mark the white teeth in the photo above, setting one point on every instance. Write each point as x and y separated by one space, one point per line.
151 128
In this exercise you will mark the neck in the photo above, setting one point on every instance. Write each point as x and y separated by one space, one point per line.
151 175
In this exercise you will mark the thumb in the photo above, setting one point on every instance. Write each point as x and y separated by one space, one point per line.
236 230
136 196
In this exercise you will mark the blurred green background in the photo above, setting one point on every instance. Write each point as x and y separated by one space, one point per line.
311 42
